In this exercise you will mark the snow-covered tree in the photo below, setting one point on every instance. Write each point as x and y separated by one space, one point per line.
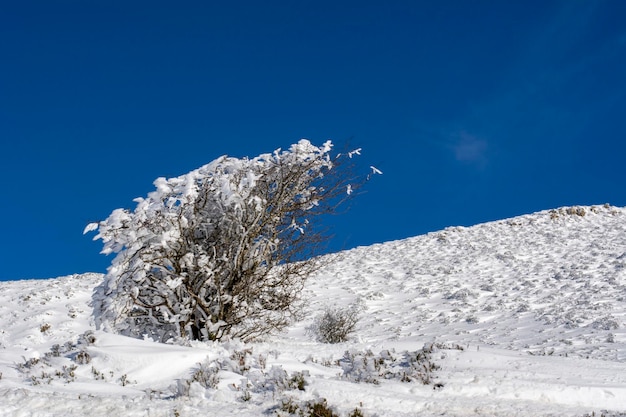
222 250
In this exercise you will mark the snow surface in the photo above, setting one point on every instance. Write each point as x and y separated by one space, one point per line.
528 316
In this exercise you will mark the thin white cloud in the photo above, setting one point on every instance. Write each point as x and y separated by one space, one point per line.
464 147
469 148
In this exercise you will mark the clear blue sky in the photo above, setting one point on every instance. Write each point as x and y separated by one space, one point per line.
474 110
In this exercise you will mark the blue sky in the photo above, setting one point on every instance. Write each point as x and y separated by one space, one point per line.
474 110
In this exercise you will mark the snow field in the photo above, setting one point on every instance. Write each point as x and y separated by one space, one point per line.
537 303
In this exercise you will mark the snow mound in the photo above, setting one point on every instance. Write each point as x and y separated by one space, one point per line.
518 317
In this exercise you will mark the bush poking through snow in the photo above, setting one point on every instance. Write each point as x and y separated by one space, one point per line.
87 338
314 408
83 358
404 366
255 379
62 361
335 324
606 323
223 250
206 376
570 211
356 413
320 409
125 381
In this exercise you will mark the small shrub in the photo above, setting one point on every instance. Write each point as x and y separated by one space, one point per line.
68 373
28 364
55 350
278 380
356 413
335 324
44 328
246 395
316 408
206 375
83 357
471 319
97 375
320 409
578 211
606 323
241 360
461 295
298 380
313 408
289 406
388 365
125 381
87 338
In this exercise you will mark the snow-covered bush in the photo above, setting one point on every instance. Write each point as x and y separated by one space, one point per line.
335 324
206 375
222 250
403 366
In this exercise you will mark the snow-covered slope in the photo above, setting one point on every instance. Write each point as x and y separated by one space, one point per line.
523 317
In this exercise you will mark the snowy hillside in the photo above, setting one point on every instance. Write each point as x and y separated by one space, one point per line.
519 317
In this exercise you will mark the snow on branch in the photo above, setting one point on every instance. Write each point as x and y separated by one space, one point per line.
205 254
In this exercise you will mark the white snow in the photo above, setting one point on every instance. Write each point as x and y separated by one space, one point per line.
537 303
375 170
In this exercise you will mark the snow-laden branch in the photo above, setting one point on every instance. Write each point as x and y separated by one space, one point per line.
204 254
